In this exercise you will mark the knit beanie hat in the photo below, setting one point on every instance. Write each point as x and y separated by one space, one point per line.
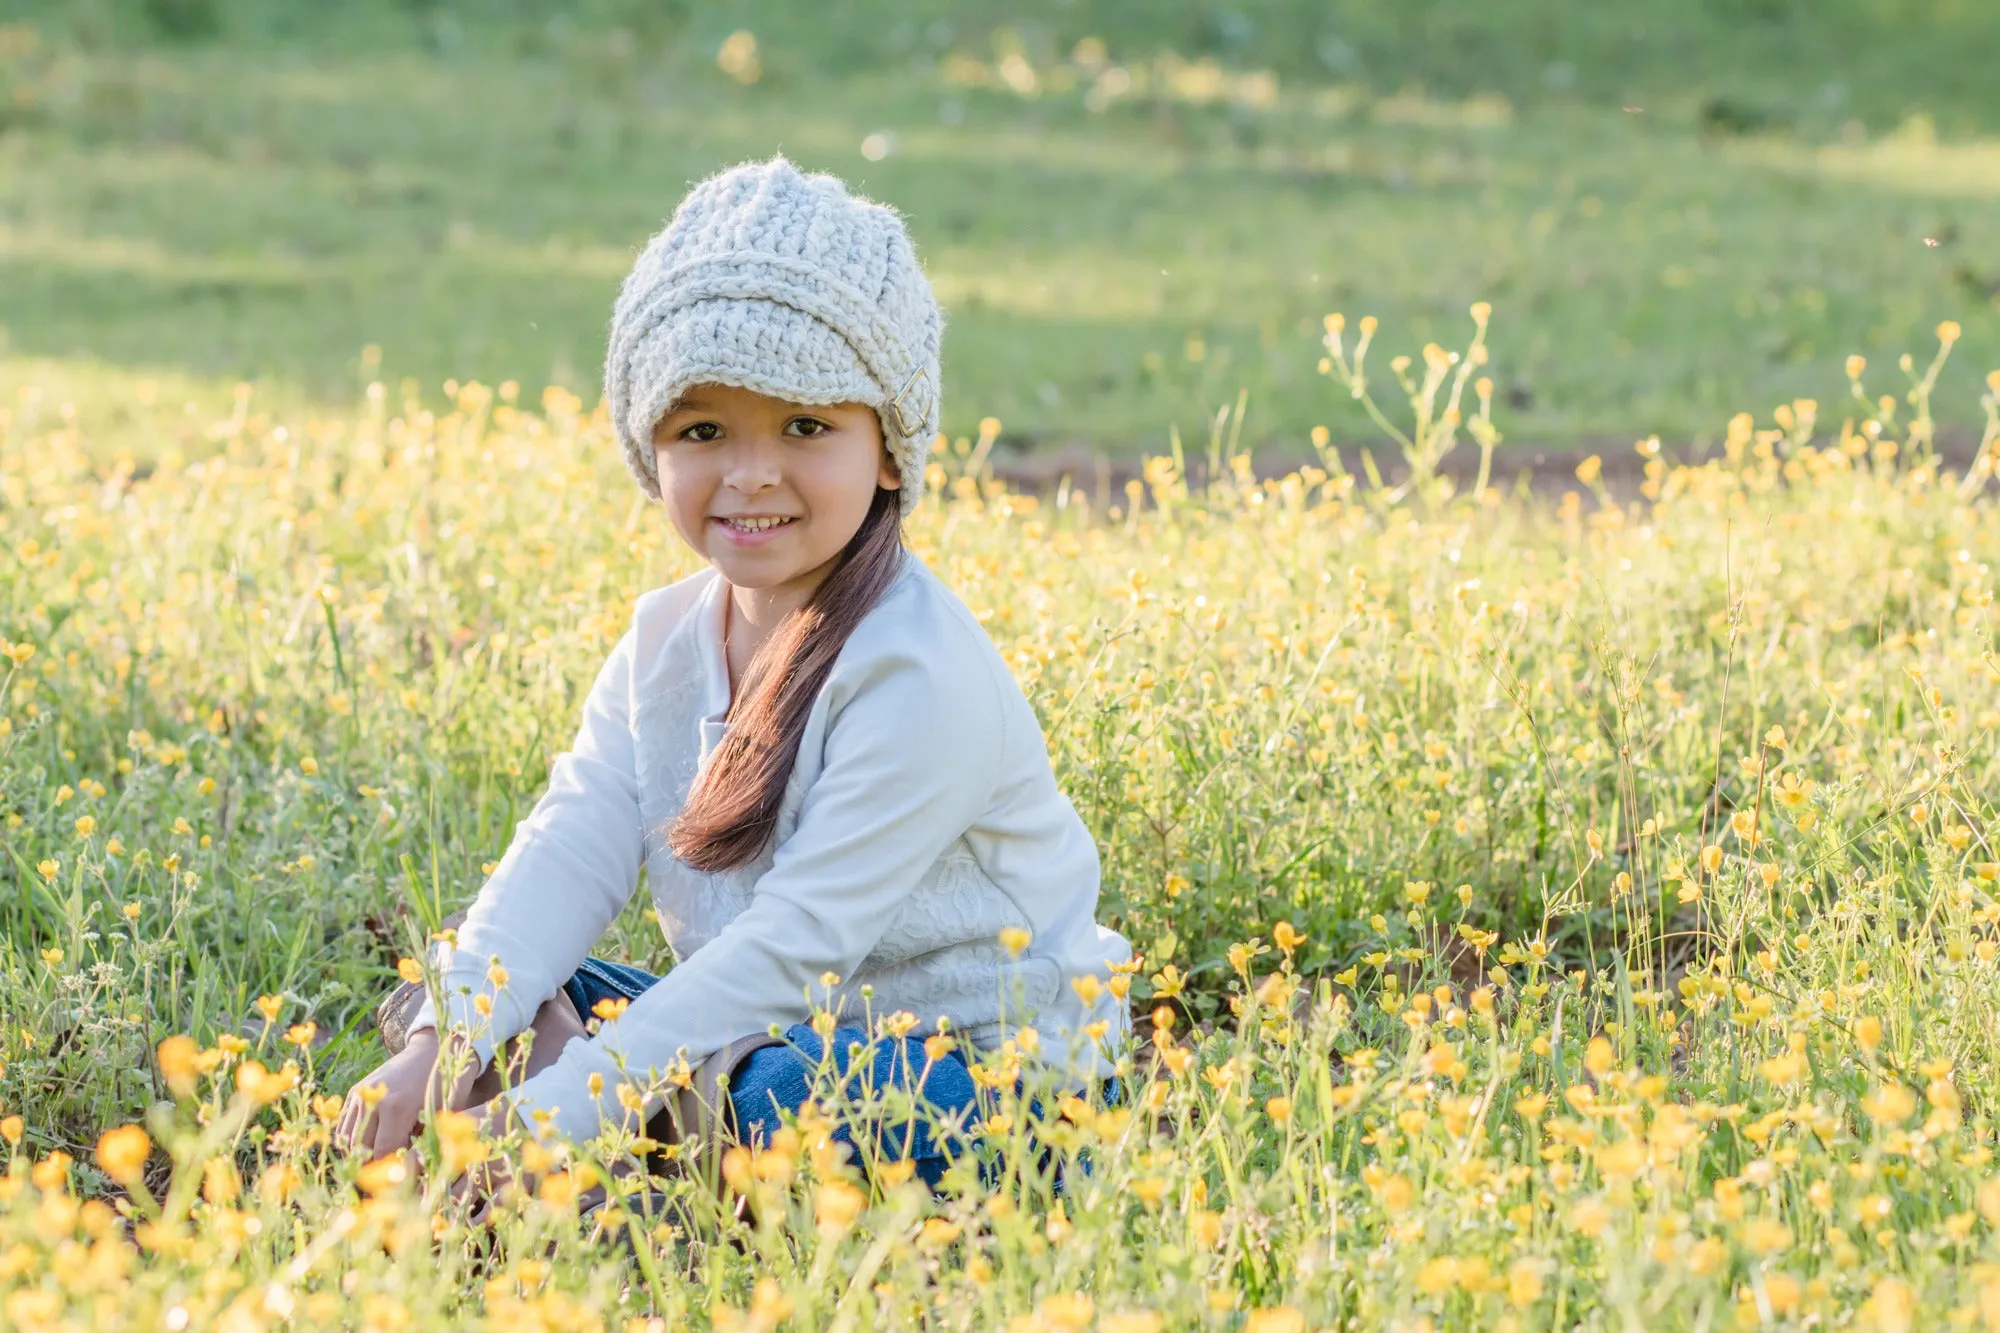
784 284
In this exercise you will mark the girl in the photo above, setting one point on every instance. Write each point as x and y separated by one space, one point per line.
813 749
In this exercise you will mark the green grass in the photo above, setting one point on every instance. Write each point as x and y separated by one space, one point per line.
220 192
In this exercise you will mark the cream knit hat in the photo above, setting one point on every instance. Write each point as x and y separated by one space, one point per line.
785 284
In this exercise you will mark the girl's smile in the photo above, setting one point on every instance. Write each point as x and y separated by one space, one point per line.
754 529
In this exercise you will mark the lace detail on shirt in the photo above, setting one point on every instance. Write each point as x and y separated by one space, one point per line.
693 906
666 739
953 901
974 984
939 956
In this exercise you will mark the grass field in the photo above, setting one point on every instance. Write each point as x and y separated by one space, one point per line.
1560 915
1559 908
1132 211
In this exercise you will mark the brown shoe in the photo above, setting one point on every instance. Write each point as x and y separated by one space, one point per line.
394 1014
700 1116
690 1132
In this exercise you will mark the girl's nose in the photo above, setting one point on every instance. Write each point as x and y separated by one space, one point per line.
752 466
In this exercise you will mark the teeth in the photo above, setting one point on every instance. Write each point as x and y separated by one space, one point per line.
755 524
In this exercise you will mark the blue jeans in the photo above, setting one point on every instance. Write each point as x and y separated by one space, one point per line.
779 1077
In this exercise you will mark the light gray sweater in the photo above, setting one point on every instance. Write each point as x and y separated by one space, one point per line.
921 819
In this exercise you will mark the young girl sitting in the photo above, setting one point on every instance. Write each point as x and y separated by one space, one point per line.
811 746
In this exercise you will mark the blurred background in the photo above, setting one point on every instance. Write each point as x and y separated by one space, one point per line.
1132 209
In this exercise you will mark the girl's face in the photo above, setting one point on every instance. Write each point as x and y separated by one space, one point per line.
769 491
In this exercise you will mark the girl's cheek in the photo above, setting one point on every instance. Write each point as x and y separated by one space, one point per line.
685 519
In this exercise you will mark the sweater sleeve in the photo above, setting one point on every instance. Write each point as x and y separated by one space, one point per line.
571 867
911 761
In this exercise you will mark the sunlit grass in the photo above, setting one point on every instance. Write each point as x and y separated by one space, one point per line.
1553 913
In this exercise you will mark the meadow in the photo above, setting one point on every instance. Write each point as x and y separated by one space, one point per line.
1569 910
1564 901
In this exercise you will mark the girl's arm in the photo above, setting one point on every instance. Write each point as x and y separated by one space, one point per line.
570 869
911 760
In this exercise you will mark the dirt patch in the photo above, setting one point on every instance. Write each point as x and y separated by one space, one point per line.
1099 478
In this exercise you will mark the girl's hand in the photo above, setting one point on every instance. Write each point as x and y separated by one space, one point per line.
382 1111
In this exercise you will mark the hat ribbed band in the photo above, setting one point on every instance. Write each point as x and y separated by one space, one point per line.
764 346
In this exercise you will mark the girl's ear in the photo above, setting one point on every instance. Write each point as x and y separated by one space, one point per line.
887 475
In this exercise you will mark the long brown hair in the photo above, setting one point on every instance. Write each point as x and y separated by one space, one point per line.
733 809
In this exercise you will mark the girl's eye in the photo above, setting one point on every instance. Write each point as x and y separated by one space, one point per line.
807 426
703 431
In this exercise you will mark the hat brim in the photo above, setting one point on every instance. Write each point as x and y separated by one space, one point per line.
764 346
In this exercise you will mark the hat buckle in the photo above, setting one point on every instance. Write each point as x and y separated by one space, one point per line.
903 423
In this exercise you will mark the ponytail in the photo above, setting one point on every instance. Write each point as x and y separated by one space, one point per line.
733 809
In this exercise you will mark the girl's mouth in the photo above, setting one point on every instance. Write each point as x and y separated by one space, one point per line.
754 531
